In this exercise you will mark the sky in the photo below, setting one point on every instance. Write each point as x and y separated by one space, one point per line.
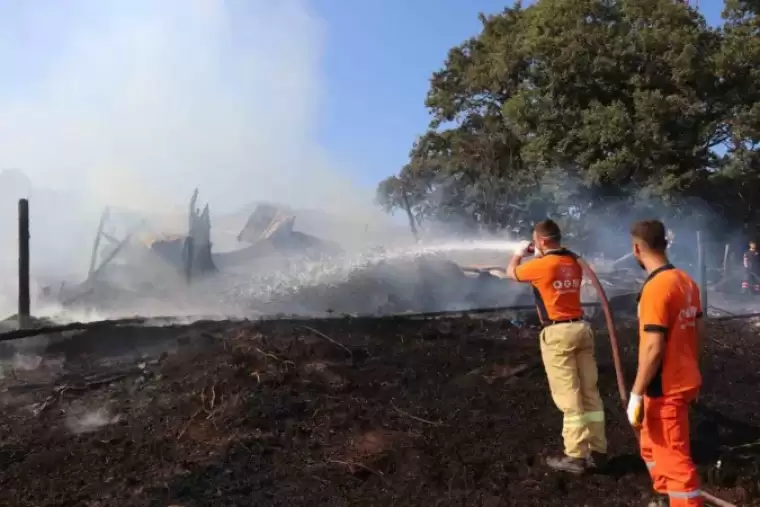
379 57
136 102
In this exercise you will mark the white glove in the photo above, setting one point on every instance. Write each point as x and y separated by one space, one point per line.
526 248
635 410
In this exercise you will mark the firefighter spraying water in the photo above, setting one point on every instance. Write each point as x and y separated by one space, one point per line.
567 346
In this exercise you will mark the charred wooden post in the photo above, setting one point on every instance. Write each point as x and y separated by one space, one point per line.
96 244
23 264
189 252
203 240
702 272
725 260
197 249
193 212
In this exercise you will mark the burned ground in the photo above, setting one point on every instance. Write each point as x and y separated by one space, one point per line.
370 412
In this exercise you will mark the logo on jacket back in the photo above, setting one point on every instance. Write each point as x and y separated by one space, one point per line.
566 280
688 314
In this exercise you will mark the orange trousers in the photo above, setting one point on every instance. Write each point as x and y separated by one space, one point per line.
666 451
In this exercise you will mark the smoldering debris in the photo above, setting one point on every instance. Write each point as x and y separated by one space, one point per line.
276 269
154 271
90 420
25 362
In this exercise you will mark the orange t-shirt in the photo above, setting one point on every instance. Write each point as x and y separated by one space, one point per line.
669 303
556 278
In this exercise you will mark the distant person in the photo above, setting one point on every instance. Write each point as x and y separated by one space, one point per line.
668 377
681 251
751 276
567 347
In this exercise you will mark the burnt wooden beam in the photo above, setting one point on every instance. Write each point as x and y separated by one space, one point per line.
23 264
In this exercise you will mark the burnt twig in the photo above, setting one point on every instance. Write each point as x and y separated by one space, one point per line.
748 445
286 362
359 465
59 390
101 381
211 403
213 398
407 414
49 401
189 422
267 354
323 335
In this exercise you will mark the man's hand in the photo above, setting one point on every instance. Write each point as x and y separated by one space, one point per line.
526 249
635 410
523 250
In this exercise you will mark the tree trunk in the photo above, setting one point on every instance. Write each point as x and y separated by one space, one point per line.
408 209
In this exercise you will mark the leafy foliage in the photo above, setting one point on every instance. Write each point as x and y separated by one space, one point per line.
567 105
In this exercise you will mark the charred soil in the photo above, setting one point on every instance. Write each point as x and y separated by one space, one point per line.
364 412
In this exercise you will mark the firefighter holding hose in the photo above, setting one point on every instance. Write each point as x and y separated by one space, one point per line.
567 347
668 377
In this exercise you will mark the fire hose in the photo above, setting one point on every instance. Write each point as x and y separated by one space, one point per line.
623 391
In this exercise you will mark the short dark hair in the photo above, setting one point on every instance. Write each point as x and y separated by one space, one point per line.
651 233
548 229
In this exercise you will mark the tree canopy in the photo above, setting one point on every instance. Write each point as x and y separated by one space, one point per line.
567 105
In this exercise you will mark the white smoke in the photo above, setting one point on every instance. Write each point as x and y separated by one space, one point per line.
90 420
135 103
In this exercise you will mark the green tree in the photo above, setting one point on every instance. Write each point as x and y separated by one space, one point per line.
735 188
623 92
626 97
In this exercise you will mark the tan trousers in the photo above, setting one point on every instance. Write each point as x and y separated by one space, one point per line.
568 354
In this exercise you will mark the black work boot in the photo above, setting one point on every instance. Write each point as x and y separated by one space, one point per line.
567 464
597 461
659 500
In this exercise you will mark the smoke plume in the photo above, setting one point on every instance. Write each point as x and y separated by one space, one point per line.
134 104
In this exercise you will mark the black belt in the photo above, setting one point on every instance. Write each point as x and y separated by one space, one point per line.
552 322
